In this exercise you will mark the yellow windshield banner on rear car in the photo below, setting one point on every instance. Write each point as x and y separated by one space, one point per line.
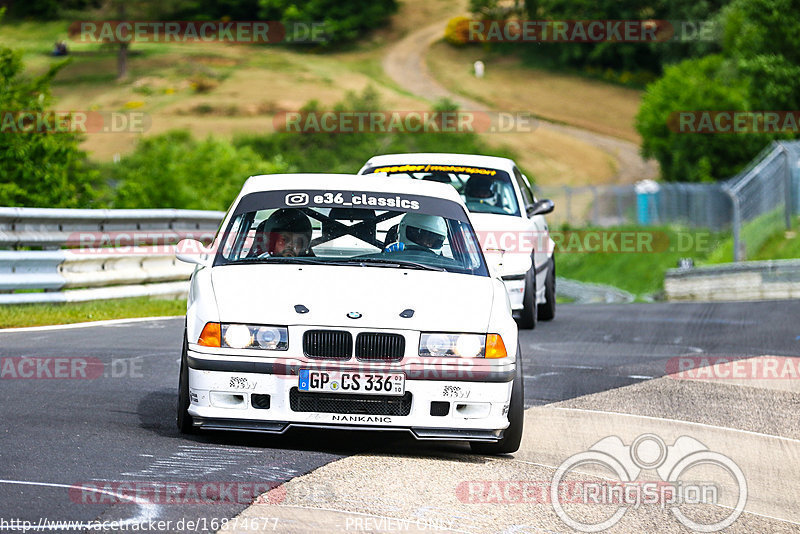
434 168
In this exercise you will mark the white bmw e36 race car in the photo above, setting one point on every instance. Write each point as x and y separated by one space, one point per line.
335 301
507 217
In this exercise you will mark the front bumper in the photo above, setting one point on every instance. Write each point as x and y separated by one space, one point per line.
229 394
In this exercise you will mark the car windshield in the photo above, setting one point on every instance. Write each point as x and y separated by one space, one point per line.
382 230
483 190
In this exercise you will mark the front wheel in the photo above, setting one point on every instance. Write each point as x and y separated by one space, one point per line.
512 436
184 420
547 309
529 315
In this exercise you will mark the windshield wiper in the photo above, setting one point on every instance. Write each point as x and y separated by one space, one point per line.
398 264
278 259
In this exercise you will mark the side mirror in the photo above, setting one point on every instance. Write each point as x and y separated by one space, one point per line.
541 207
192 251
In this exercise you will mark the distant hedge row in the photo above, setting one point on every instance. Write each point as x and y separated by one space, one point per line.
338 21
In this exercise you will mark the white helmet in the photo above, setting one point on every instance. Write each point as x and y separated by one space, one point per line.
427 231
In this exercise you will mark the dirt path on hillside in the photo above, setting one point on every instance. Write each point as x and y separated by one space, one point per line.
405 64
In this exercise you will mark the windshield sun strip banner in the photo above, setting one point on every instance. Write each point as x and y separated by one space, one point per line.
458 169
376 201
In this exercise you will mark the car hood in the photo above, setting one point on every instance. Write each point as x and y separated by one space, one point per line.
268 294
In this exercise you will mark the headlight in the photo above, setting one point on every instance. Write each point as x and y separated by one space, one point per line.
242 336
452 345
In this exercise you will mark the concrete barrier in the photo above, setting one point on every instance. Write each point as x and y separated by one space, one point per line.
751 280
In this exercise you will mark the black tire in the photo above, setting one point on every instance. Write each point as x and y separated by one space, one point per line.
547 310
529 315
184 420
512 436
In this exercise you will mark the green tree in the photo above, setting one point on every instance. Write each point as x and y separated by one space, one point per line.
694 85
762 28
756 70
43 168
341 21
174 170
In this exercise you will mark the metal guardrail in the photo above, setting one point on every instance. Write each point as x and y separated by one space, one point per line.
749 280
99 270
56 228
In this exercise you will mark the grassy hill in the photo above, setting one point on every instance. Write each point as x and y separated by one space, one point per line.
227 89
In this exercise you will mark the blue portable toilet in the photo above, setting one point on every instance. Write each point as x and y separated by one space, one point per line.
646 201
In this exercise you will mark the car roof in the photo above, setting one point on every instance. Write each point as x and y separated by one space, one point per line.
475 160
349 182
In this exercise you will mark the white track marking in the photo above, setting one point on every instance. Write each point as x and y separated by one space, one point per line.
541 375
109 322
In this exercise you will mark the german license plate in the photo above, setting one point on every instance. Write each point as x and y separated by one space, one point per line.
355 382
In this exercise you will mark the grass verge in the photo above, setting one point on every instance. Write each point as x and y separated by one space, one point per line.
639 271
763 238
21 315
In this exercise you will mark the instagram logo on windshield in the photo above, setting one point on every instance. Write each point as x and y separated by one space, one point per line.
296 199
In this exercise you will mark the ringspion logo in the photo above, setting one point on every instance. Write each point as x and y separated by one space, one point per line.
673 464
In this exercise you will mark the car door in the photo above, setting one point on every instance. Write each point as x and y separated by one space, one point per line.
537 225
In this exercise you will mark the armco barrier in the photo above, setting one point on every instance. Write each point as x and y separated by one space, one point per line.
751 280
100 273
53 228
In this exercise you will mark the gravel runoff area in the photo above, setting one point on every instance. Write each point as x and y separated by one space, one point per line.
752 423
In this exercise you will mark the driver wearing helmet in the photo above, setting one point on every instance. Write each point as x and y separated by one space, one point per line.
479 189
418 231
286 233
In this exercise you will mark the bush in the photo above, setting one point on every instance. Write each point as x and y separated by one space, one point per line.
457 31
341 21
175 171
347 152
42 168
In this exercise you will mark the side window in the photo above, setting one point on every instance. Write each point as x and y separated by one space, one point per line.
523 187
234 240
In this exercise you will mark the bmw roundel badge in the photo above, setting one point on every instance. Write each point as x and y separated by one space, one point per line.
354 315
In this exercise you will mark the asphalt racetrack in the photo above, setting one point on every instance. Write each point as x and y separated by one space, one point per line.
595 371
